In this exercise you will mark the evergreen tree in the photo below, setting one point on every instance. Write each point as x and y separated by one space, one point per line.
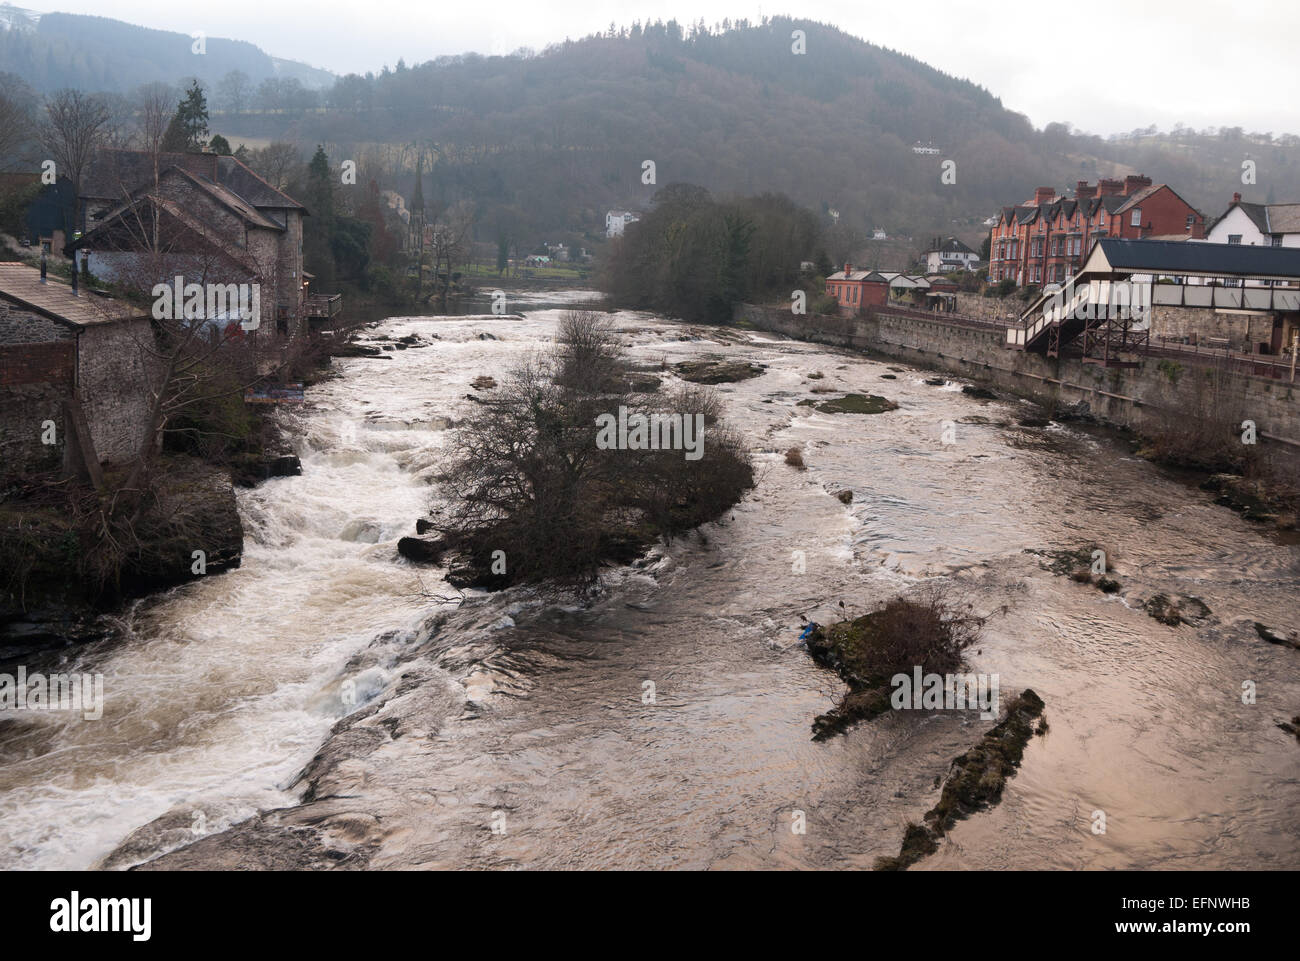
188 129
318 227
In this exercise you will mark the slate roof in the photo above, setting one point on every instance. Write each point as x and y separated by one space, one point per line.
951 246
238 255
113 174
867 275
21 284
1199 259
1271 218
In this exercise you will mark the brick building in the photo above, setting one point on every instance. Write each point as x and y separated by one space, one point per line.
856 289
67 355
1045 239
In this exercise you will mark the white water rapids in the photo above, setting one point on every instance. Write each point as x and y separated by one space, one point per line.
219 692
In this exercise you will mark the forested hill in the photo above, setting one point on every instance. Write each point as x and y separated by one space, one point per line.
544 143
556 138
733 110
98 54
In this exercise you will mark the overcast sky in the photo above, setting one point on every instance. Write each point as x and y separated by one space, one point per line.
1105 66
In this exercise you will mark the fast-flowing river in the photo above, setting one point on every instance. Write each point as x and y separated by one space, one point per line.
512 729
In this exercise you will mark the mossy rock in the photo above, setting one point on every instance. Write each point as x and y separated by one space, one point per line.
1068 562
975 782
717 371
852 404
1178 609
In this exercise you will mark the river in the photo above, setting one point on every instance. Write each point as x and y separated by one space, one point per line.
510 730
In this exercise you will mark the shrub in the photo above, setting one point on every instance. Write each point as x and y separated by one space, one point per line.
930 630
525 475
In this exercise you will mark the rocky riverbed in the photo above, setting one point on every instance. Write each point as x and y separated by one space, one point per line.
331 704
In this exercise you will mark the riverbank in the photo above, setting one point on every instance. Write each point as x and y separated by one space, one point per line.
65 567
1176 414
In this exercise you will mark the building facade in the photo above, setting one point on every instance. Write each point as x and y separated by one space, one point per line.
950 255
1257 225
60 350
616 221
206 217
855 289
1045 239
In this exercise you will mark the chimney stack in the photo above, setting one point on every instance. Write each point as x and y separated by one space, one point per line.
1044 196
1082 191
848 269
1132 184
1109 188
1236 198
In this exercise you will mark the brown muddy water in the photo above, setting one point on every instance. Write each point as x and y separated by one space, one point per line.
510 730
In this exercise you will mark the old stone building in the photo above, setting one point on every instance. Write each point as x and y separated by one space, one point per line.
74 375
206 217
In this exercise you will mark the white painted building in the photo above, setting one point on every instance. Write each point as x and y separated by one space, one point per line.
616 222
1257 225
952 254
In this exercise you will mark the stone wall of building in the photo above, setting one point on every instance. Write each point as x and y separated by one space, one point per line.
19 326
114 386
106 367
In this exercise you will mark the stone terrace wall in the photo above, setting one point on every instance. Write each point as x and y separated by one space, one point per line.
1129 397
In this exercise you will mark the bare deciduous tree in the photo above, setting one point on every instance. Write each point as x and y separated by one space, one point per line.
75 126
235 91
276 162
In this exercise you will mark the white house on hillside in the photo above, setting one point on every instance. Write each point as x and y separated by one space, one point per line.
1257 225
616 222
952 254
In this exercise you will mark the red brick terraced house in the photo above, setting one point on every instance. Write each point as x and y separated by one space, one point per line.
1045 240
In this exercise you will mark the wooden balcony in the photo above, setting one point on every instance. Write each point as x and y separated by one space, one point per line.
322 306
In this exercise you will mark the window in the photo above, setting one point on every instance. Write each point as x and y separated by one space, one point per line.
1101 218
1191 221
1277 240
1136 220
1234 238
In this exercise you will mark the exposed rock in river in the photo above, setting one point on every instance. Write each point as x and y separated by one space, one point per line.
852 404
716 371
975 782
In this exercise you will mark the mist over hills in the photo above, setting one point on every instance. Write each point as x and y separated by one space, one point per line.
548 141
54 50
